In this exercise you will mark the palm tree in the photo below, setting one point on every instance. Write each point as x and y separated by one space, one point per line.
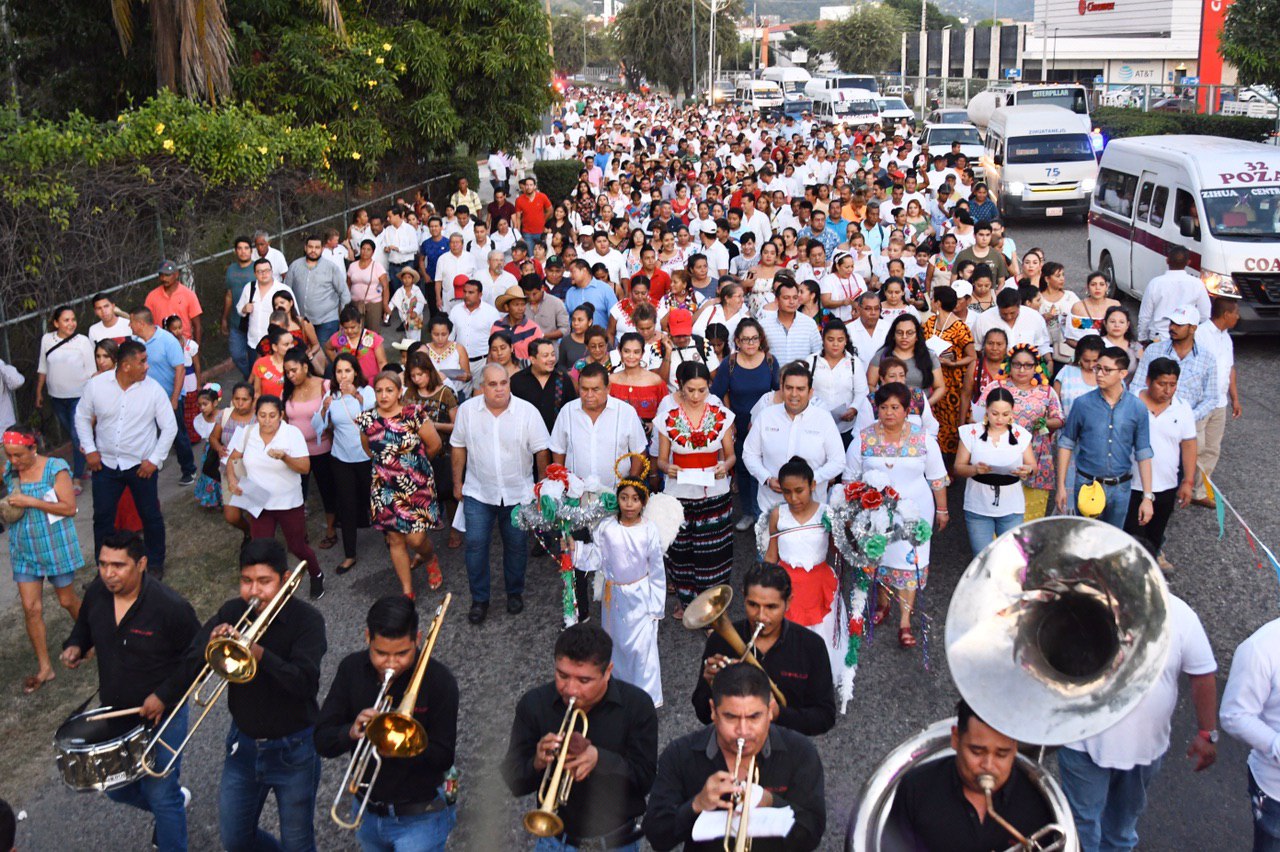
193 48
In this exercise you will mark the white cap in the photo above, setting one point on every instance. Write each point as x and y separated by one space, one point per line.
1185 315
964 290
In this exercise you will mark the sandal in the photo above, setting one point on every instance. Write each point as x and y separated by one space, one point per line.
411 596
31 683
881 613
434 578
328 541
455 539
347 565
678 612
906 638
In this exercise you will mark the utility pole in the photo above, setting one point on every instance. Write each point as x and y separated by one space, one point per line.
711 57
693 28
924 57
1044 46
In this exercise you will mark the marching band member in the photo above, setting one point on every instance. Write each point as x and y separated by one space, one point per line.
269 745
941 805
795 659
407 809
612 768
141 630
695 777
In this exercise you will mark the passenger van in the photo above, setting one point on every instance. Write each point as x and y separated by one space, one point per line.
792 81
758 96
850 107
1219 198
1039 161
841 81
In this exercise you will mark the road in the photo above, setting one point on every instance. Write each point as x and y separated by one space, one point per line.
895 697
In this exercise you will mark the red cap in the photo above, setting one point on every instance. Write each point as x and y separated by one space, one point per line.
459 280
680 323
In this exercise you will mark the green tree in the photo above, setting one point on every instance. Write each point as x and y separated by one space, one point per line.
1251 42
935 18
866 41
805 37
653 38
570 32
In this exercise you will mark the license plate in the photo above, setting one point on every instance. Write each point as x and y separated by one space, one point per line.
1053 211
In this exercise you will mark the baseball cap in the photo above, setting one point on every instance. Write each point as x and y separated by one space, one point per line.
585 230
167 267
708 227
459 281
679 323
964 290
1185 315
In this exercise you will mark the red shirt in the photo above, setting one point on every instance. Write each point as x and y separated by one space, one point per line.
533 211
659 283
182 303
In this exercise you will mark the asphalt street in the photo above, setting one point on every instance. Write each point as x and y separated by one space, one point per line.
896 694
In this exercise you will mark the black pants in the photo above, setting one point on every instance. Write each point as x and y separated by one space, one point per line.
1151 535
351 492
322 474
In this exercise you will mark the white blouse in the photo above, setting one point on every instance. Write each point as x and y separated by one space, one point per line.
68 368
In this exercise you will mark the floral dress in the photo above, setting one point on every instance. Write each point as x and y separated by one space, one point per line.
948 408
402 492
1029 405
41 544
915 468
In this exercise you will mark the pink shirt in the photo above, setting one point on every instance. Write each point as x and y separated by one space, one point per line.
366 284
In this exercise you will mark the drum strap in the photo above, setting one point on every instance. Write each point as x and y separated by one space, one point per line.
84 704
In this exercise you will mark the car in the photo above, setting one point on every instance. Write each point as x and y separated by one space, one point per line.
940 136
953 115
1173 105
894 109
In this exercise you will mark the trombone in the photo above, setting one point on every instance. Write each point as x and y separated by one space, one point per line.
390 733
741 803
231 659
710 609
557 782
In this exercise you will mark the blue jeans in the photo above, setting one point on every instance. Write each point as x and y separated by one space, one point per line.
108 484
556 844
418 833
748 485
1106 802
162 796
326 330
182 443
65 411
983 528
480 519
1266 819
290 768
1117 500
531 240
238 344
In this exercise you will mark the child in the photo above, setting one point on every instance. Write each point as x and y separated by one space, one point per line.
635 588
220 441
800 541
191 379
208 481
410 303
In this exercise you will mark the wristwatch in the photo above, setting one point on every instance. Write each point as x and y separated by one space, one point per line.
1211 736
1147 495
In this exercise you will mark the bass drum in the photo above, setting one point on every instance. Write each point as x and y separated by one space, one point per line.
100 755
869 829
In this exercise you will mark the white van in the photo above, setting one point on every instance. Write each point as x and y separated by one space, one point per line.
792 81
1039 161
758 96
1219 198
842 81
850 107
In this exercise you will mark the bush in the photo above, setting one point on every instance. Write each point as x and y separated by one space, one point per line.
459 166
557 178
1117 122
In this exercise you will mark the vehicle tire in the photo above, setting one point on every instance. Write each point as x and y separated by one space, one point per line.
1108 269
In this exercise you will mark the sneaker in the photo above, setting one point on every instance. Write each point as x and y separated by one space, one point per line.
744 523
1164 564
317 587
187 479
515 604
479 610
186 798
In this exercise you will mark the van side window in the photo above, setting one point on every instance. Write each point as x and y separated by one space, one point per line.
1184 208
1159 203
1144 200
1115 192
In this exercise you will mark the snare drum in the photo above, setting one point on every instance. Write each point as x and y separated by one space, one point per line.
100 755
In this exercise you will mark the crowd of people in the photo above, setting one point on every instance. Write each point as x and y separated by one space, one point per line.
738 312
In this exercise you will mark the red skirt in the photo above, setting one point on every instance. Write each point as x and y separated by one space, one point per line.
812 593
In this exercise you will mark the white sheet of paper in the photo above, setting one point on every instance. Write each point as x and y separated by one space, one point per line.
765 822
51 496
253 497
1005 469
937 345
701 477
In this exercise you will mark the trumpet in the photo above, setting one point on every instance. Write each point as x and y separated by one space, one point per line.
390 733
710 609
740 803
557 782
228 658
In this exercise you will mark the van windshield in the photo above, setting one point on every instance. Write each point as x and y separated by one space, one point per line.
895 103
1067 97
868 83
863 107
1244 213
1050 148
945 136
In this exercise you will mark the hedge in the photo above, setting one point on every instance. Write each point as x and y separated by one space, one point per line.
1118 122
557 178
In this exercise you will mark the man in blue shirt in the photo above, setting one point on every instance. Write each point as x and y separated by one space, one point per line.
1106 430
431 250
166 363
585 288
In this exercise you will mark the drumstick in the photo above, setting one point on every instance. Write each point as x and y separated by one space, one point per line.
114 714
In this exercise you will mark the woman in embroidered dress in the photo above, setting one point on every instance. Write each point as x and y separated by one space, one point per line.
353 337
1037 409
620 315
991 369
911 460
697 437
956 361
800 541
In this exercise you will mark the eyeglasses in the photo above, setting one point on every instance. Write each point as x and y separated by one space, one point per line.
755 338
1106 371
1024 365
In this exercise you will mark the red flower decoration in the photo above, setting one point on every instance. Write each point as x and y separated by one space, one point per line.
558 473
871 499
566 561
855 626
853 490
890 494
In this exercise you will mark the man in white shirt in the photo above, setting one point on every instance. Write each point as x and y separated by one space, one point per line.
497 440
452 264
473 320
495 279
400 242
601 252
262 248
112 324
462 223
1020 323
754 220
868 331
1106 777
125 425
479 248
1170 291
792 336
1215 337
793 427
1251 714
716 254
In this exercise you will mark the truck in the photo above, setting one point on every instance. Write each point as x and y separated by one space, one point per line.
1069 96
